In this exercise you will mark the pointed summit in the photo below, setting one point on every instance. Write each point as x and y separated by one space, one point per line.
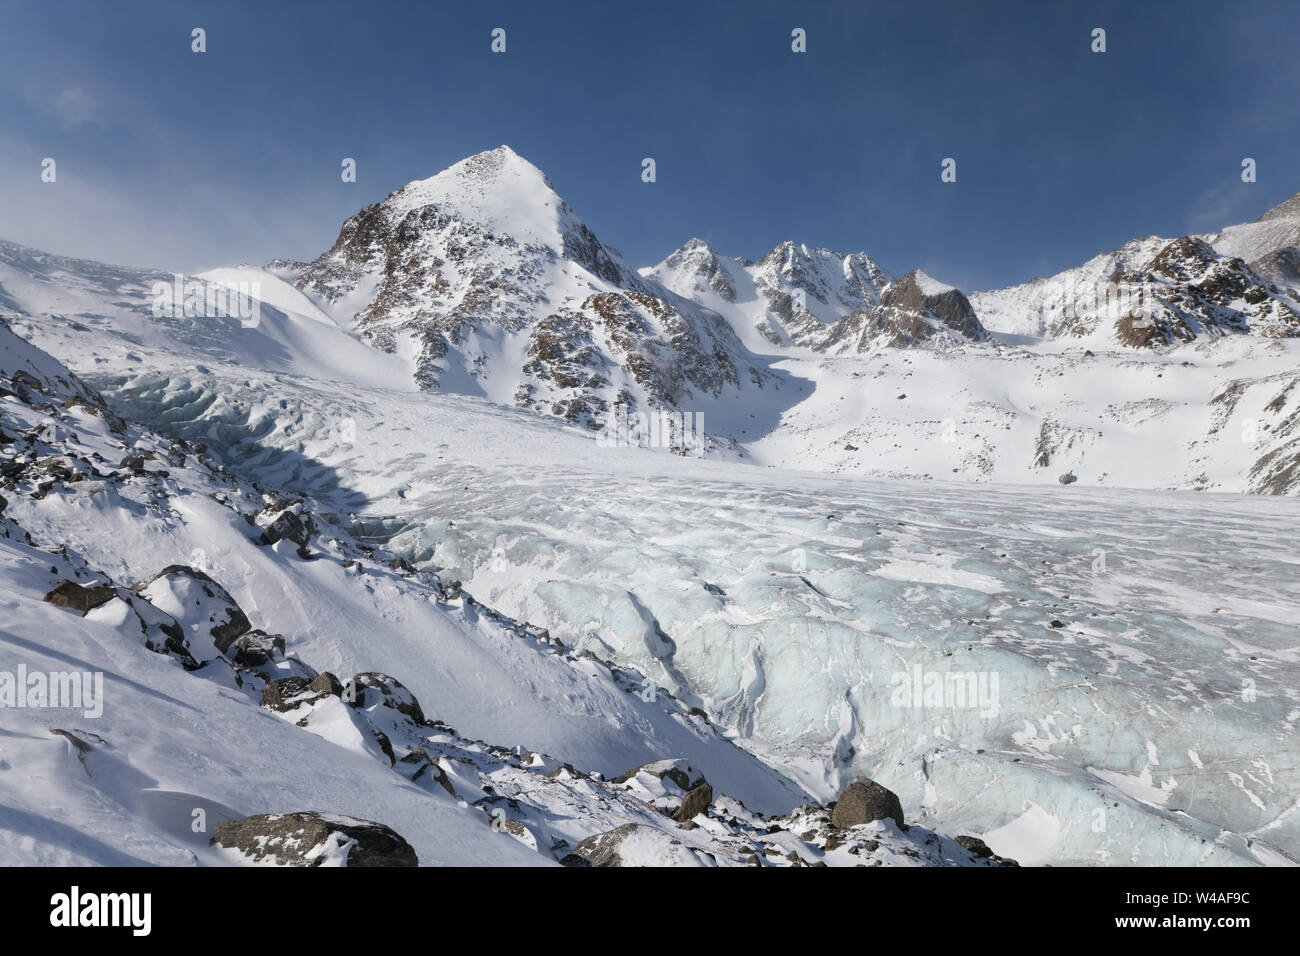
497 189
692 269
929 285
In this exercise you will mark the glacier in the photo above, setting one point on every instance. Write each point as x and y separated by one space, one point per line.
1144 644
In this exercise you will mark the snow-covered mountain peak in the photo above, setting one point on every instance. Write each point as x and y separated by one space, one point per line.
833 277
695 270
929 285
1290 209
497 189
1268 244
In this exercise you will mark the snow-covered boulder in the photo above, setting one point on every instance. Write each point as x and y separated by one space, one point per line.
314 839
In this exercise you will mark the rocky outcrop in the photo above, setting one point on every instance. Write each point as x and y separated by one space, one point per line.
697 260
314 839
372 689
81 599
914 311
1185 291
290 524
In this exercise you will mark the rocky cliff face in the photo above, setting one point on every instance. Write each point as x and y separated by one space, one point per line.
913 311
1155 293
810 298
1184 292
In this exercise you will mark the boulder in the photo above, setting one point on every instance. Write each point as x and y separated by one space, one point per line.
315 839
287 526
210 617
696 801
72 595
327 683
135 464
287 693
679 772
257 649
865 801
372 688
975 846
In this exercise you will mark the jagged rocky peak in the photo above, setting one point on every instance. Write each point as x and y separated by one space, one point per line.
1186 259
504 193
494 204
1188 290
917 307
913 311
497 189
698 261
1156 292
852 281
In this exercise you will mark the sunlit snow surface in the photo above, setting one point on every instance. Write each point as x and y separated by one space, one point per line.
1156 724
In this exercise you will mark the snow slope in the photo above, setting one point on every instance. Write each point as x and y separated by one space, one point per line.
201 731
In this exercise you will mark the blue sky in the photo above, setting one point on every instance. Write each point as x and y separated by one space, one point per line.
184 161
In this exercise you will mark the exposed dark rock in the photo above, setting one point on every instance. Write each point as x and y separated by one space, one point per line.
287 693
865 801
371 688
288 526
72 595
678 771
135 463
257 649
307 838
327 683
974 845
697 801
